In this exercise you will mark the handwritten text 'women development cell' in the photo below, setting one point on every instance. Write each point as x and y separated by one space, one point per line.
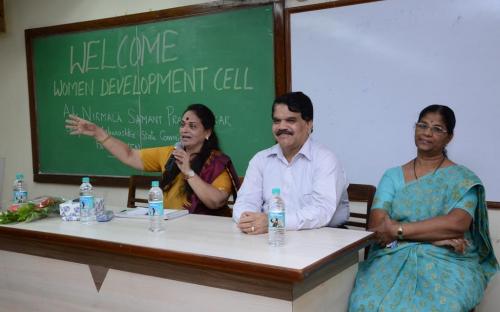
141 65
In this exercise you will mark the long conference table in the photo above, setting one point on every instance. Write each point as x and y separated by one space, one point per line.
199 263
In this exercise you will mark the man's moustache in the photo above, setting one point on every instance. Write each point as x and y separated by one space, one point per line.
283 131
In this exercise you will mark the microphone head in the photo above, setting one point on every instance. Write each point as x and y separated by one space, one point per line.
179 145
170 163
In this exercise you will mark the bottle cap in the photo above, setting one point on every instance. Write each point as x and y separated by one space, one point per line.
85 180
155 184
19 176
276 191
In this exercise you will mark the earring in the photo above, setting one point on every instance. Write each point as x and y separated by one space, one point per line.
207 138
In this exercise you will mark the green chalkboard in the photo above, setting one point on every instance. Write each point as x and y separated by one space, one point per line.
136 77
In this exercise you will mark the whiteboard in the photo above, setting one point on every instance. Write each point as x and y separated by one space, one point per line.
371 68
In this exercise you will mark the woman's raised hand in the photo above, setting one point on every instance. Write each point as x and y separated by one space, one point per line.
77 125
182 159
121 150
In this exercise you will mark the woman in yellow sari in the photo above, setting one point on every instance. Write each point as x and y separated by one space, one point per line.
196 175
431 223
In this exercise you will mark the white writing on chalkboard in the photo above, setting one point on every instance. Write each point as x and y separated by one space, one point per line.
170 120
131 51
165 137
174 81
136 118
229 78
124 133
86 112
74 88
177 80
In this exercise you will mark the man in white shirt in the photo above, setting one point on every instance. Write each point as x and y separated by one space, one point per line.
312 181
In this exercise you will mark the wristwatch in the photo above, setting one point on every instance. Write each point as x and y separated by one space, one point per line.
190 174
400 232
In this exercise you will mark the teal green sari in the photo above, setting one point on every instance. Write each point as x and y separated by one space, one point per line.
418 276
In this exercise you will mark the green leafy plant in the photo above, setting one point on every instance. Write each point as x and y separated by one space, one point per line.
27 212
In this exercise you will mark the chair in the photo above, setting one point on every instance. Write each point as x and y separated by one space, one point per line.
231 200
362 193
140 181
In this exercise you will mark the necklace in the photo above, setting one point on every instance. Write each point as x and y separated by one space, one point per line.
438 166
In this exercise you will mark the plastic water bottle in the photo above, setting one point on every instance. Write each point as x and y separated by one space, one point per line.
155 205
87 209
19 194
276 217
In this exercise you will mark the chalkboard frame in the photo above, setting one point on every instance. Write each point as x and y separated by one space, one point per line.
135 19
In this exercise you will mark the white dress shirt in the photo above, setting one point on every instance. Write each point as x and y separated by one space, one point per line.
313 186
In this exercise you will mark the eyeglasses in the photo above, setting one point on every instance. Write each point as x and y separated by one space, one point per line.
422 126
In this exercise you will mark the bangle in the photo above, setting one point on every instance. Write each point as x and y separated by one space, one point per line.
105 139
400 232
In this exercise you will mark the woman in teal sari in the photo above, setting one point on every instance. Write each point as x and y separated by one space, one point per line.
429 215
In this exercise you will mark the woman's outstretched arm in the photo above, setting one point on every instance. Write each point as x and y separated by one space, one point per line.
117 148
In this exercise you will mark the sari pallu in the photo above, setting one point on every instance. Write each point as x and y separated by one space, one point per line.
418 276
216 164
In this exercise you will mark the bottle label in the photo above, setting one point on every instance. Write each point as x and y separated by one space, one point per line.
20 197
86 203
276 219
156 208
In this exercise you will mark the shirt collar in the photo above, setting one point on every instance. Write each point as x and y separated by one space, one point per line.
305 150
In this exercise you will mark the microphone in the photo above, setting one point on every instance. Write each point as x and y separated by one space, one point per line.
179 145
171 161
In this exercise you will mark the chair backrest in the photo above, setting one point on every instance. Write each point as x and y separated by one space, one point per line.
138 181
363 193
231 200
